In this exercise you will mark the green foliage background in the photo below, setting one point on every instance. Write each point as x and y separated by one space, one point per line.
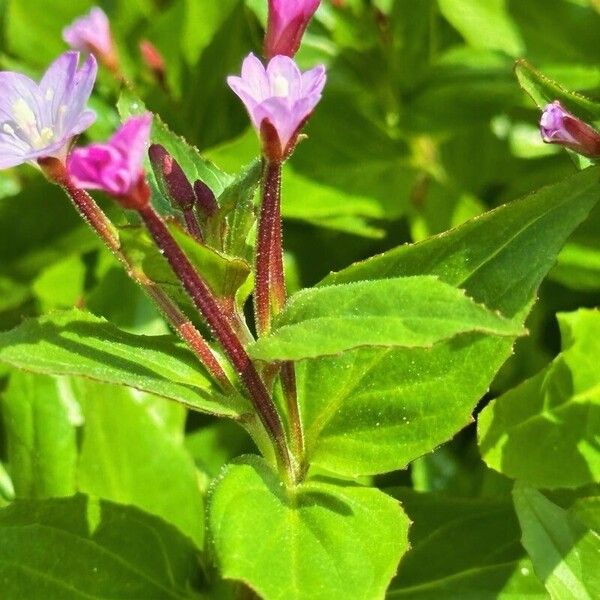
423 126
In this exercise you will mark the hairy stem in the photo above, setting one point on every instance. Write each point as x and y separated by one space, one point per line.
101 224
270 291
221 328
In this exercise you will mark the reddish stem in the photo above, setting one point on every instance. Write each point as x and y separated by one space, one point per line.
101 224
270 291
221 328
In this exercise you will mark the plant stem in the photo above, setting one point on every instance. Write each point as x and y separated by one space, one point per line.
101 224
270 291
220 325
267 223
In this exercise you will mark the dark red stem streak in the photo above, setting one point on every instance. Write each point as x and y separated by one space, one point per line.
221 328
267 223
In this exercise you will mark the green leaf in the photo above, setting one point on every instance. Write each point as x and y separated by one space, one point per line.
12 294
374 410
543 90
563 551
318 541
79 547
463 549
80 344
40 415
129 455
544 431
404 311
484 24
224 274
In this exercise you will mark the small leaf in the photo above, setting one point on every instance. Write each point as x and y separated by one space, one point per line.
544 90
408 312
81 548
544 431
317 541
563 551
78 343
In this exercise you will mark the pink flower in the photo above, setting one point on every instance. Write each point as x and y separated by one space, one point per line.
559 126
91 33
287 22
115 166
40 120
279 100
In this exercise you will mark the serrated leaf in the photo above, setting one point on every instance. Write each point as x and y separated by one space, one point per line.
318 540
81 344
545 431
544 90
374 410
79 547
563 551
409 312
463 549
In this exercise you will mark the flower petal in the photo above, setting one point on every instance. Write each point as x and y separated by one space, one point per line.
284 77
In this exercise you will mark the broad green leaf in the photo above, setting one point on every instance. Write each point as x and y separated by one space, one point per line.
129 455
79 547
80 344
463 549
40 417
318 540
563 551
484 24
374 410
545 431
405 311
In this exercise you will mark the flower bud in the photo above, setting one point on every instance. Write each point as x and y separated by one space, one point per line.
174 180
207 203
279 100
558 126
154 60
287 22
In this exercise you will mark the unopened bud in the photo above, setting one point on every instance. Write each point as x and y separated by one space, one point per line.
154 60
173 179
559 126
207 203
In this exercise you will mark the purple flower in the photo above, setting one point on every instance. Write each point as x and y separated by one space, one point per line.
115 166
91 33
287 22
40 120
558 126
279 100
